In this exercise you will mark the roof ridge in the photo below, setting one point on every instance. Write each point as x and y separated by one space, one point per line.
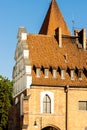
42 35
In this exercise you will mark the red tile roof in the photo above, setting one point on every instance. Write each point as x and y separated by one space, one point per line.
44 51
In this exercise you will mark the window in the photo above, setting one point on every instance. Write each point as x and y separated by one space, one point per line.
72 74
47 96
82 105
62 74
54 73
38 72
80 74
46 104
46 73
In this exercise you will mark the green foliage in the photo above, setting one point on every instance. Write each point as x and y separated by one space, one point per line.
5 101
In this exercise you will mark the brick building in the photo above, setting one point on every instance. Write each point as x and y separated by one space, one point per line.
50 77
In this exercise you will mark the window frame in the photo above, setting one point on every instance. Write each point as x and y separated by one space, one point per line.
51 95
54 73
80 74
62 74
80 109
46 104
46 72
38 72
72 74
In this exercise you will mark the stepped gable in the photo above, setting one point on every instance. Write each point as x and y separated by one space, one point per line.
53 20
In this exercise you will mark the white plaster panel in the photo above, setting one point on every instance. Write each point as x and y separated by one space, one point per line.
26 53
51 95
29 81
28 69
24 36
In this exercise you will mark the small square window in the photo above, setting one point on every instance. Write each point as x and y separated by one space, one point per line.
82 105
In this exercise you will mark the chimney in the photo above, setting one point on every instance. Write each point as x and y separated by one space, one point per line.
82 38
58 35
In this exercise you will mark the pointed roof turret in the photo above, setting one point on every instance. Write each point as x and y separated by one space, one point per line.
53 20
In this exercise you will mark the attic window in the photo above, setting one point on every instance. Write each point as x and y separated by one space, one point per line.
72 74
54 73
38 72
46 73
80 74
62 74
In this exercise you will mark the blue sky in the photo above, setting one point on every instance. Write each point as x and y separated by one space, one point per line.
30 14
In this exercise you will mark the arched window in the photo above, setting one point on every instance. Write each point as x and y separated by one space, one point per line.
46 104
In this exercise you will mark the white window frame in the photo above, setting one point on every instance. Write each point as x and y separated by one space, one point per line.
46 73
62 74
54 73
51 95
72 74
82 109
37 72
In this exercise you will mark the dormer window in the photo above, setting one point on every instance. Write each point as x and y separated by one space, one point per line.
46 73
38 72
54 73
62 74
72 74
80 74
